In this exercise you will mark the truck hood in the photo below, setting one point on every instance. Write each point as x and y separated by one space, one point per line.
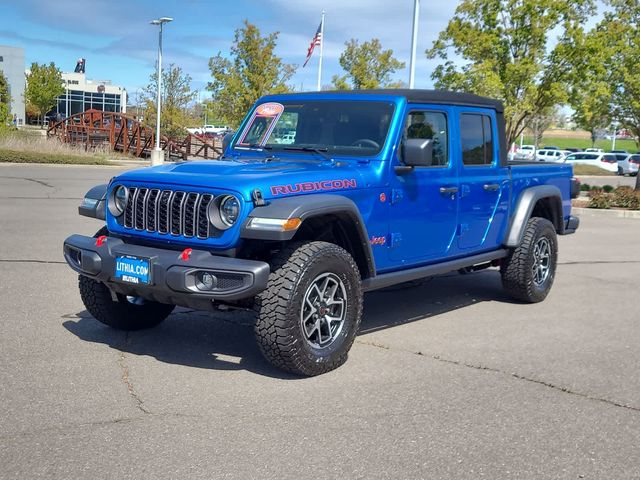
274 178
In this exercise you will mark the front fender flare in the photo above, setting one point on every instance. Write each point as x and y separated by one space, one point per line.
94 202
305 207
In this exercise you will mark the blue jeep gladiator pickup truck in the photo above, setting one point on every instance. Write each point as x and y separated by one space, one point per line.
320 197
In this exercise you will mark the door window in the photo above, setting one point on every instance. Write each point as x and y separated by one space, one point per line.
477 139
430 126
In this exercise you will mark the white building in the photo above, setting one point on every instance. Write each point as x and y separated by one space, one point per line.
83 94
12 67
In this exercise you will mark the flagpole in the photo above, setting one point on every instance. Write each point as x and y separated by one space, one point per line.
414 41
321 48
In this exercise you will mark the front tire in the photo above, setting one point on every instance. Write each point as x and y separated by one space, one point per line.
124 314
529 270
310 312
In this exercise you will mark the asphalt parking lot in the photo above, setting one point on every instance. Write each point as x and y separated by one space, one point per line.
448 379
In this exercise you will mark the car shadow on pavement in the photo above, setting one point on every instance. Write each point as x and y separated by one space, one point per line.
225 340
407 303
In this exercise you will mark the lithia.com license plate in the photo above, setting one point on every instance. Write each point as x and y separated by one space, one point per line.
132 269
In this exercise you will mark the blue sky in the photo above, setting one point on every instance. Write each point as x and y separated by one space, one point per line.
120 45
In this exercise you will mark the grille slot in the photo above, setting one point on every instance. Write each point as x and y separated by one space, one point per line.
140 208
203 218
163 211
168 212
152 210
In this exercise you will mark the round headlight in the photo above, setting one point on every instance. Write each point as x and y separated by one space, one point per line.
118 200
229 210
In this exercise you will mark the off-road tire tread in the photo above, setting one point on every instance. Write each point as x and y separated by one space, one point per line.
120 315
274 334
516 276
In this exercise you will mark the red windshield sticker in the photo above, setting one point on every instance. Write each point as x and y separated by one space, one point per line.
270 109
261 124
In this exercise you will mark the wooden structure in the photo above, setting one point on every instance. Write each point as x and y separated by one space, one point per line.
124 133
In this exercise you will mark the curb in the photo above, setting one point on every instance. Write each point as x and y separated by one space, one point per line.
598 212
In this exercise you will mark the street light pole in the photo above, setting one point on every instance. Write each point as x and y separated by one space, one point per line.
157 155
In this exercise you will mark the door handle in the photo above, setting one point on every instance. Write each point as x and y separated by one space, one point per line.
491 187
448 190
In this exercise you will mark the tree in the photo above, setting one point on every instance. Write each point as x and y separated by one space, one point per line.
367 66
590 93
5 101
251 71
176 97
619 37
539 123
507 53
44 86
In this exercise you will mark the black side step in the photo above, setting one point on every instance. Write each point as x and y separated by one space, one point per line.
393 278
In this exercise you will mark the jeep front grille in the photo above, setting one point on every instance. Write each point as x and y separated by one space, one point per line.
168 212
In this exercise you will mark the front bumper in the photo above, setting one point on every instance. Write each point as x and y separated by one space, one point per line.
173 279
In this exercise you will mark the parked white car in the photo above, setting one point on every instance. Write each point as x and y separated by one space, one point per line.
593 150
629 165
525 152
555 156
606 161
208 129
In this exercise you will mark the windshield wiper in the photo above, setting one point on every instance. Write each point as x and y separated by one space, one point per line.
255 146
322 151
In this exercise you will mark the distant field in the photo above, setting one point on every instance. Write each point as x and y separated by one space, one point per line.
575 140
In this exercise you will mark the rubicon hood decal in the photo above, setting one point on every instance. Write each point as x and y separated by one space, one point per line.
314 186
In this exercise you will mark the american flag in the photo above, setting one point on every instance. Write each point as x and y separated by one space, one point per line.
317 40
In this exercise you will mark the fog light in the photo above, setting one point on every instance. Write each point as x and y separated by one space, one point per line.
206 281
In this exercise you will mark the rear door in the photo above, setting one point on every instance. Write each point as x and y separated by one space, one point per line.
484 184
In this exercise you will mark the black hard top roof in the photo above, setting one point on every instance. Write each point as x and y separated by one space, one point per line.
430 96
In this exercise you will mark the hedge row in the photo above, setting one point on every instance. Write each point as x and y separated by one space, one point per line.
15 156
621 197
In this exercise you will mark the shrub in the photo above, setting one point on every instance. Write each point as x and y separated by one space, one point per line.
594 190
599 200
626 197
607 189
585 187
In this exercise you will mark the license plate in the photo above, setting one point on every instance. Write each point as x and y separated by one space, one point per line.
133 269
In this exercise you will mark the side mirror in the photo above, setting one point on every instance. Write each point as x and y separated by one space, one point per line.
226 141
418 152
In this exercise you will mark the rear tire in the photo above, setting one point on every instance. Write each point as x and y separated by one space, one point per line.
529 270
310 312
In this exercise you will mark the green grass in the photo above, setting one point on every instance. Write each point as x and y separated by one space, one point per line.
568 142
591 170
16 156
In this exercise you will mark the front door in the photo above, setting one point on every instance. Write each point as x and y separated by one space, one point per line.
484 186
424 201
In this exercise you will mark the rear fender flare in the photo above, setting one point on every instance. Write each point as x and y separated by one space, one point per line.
524 207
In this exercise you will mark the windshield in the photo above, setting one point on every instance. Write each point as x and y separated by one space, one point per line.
339 127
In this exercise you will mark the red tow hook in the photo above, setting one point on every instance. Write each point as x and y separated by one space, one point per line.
100 240
186 254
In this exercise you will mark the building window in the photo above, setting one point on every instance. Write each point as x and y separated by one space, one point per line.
1 58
